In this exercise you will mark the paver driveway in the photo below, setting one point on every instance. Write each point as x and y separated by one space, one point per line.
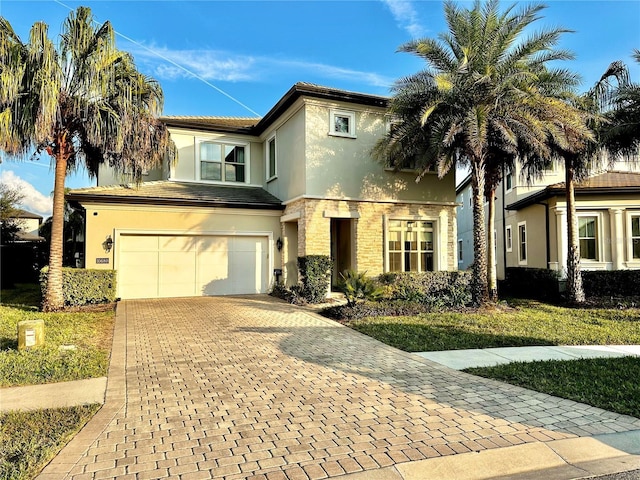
250 387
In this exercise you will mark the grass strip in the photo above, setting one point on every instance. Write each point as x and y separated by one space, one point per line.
90 334
526 323
608 383
29 440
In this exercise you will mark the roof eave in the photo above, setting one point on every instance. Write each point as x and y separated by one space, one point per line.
579 191
117 199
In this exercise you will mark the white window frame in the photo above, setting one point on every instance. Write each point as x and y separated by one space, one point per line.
596 237
630 216
508 238
599 236
223 142
508 174
269 175
350 115
460 254
521 260
419 220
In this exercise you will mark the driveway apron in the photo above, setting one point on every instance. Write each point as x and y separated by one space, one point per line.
250 387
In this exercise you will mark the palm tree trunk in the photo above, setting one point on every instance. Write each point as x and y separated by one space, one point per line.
575 291
54 297
492 274
480 292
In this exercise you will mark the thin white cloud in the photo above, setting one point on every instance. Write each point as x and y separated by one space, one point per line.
217 65
406 16
33 200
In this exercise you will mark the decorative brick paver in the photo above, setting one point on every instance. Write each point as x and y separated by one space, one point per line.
250 387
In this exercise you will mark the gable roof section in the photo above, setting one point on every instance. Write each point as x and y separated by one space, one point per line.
166 192
603 184
257 126
25 214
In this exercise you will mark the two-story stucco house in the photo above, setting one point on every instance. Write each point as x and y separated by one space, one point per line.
531 220
247 196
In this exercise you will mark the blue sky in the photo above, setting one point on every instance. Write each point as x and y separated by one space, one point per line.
237 58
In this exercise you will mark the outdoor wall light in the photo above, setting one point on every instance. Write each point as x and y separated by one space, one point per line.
108 244
279 244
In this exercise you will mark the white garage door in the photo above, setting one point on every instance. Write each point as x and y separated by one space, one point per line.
151 266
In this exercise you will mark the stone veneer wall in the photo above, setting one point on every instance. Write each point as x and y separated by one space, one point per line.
314 228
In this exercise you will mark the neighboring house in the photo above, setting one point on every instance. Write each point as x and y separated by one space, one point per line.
465 224
247 196
531 220
29 226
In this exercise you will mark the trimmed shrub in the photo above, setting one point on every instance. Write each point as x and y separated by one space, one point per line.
315 274
533 283
434 289
84 286
357 286
611 283
383 308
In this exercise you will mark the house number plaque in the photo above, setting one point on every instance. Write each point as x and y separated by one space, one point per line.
102 260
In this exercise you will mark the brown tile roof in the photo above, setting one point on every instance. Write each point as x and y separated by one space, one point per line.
611 179
605 183
257 125
166 192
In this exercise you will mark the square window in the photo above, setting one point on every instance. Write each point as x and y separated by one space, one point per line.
221 162
342 123
410 246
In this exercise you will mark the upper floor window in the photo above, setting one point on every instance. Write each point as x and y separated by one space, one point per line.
410 246
587 228
522 243
635 238
508 179
342 123
271 158
222 162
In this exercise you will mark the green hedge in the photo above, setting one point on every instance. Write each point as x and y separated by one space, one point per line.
83 286
436 289
315 275
533 283
613 283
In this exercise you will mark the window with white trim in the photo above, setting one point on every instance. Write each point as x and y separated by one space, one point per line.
508 179
508 238
635 238
342 123
522 242
410 245
587 236
222 162
271 158
460 254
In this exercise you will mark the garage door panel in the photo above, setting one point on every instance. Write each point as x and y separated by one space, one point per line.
191 265
139 243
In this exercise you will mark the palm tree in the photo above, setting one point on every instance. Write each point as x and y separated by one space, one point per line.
621 134
481 98
83 103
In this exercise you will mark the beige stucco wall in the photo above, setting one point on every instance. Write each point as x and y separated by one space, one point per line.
339 167
314 229
290 154
105 220
184 168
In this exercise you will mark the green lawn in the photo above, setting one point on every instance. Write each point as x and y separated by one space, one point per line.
525 323
29 440
608 383
90 332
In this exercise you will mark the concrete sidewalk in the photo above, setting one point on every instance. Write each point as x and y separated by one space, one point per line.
487 357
